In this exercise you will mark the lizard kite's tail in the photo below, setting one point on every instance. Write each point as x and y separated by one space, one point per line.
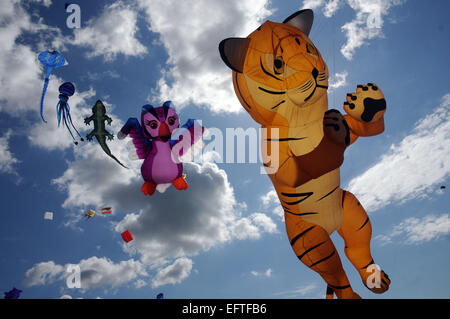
106 149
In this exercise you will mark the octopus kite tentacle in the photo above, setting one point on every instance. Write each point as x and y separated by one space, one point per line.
63 109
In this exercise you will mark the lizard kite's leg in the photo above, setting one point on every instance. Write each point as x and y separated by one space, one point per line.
109 136
90 136
356 231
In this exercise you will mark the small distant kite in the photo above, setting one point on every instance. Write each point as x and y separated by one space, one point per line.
107 210
442 187
51 60
13 294
66 90
127 237
48 215
160 296
89 214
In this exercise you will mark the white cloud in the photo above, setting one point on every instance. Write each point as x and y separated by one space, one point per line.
95 272
43 273
111 33
339 80
366 25
267 273
270 198
173 274
7 159
140 283
263 221
46 3
312 4
300 291
102 271
191 32
411 169
331 6
419 230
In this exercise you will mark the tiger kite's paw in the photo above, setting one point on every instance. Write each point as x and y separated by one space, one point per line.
336 128
367 104
377 281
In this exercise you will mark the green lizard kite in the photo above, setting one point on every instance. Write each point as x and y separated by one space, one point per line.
99 117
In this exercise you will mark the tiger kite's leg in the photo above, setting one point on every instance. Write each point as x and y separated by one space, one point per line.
313 246
356 231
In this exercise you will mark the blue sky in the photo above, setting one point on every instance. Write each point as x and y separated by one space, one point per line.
224 237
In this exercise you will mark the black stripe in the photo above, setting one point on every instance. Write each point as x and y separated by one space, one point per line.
343 196
285 139
270 92
239 90
296 194
308 250
296 202
307 87
323 259
301 214
328 193
152 112
300 235
339 287
166 111
269 74
371 262
367 220
278 104
329 290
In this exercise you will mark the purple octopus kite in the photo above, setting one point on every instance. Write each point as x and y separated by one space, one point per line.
154 144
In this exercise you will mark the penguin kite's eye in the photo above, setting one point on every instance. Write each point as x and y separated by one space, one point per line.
153 124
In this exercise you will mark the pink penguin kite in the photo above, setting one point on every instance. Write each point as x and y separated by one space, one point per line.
152 139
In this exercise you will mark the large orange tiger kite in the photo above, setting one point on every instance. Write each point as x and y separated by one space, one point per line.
281 80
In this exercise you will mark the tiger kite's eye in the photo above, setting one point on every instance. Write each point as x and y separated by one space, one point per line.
278 65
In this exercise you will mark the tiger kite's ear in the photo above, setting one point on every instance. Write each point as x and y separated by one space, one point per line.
302 19
233 51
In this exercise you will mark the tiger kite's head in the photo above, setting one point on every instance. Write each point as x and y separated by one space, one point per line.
278 74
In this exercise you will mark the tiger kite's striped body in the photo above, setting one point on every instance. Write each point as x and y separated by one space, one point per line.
281 80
